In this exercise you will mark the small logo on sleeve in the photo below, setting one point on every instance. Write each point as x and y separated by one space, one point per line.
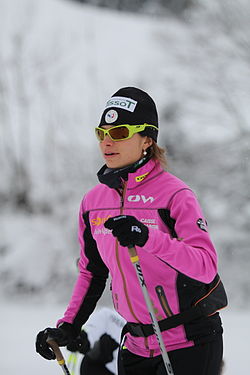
202 224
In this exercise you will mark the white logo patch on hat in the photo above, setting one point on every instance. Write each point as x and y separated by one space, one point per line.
111 116
122 102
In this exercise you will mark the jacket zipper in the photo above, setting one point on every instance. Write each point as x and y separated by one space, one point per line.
119 263
123 276
163 300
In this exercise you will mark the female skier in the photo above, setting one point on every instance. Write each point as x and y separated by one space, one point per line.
138 203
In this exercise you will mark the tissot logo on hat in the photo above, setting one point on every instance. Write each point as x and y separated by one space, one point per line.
121 102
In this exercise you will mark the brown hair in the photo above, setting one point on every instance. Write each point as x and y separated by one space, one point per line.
159 153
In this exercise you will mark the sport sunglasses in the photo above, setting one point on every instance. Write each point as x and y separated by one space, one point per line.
121 132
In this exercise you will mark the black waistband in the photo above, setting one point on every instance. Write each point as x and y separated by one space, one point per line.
145 330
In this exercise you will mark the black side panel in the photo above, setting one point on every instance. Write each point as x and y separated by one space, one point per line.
190 291
100 274
168 220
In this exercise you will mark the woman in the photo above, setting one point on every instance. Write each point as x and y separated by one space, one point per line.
138 203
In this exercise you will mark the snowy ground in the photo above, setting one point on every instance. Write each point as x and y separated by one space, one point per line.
19 325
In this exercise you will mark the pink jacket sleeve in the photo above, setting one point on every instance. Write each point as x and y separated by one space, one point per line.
91 278
192 253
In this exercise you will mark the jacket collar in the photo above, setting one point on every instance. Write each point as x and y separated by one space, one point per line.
134 173
142 175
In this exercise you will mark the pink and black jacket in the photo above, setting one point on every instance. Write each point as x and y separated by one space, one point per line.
178 261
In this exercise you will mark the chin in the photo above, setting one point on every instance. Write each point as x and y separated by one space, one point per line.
113 165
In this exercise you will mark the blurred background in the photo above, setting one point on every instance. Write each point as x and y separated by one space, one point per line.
60 61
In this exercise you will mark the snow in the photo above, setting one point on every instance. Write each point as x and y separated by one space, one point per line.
20 323
60 62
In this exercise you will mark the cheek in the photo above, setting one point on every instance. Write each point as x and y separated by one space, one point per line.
101 146
133 153
137 148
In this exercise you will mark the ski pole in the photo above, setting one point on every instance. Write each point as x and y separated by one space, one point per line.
136 262
60 359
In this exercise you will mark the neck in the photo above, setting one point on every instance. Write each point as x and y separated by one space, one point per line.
114 177
134 165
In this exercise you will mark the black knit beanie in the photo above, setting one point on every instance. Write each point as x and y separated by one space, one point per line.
131 106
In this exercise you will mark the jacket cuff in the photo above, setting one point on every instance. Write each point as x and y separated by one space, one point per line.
69 330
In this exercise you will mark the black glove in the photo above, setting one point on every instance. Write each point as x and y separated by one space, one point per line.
102 350
62 336
128 230
80 344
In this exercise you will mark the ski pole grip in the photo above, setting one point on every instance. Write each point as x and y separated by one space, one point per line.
133 253
54 346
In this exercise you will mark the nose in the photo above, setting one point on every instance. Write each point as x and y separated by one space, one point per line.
107 140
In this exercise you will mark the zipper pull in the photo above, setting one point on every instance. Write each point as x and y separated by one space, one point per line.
159 291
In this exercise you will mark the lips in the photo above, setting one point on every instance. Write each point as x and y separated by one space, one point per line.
110 154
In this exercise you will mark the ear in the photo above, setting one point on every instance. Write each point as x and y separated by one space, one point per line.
148 142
